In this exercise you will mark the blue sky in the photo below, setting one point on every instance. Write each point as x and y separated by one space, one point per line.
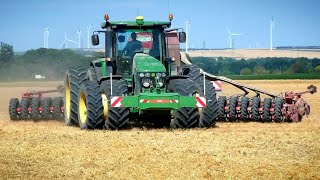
296 21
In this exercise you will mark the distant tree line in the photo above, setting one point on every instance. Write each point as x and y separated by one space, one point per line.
51 63
230 66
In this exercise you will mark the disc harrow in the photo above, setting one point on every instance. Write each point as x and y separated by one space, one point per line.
287 107
33 105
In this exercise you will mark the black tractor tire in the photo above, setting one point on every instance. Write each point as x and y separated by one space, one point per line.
46 105
73 79
90 112
233 103
184 117
256 104
57 104
208 115
116 118
24 105
35 104
244 115
278 115
266 115
222 102
194 73
13 105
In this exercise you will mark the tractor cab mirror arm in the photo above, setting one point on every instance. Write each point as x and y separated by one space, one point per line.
95 37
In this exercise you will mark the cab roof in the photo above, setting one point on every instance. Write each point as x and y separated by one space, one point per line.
165 24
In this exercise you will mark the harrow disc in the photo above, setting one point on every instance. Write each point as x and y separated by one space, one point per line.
57 104
233 108
24 111
266 115
278 115
244 109
46 105
13 106
222 102
35 105
256 104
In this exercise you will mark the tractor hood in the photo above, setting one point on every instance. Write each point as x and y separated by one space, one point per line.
146 63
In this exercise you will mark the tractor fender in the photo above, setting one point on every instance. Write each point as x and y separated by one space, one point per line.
104 78
169 78
95 70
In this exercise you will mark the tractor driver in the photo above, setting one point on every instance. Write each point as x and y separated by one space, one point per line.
132 46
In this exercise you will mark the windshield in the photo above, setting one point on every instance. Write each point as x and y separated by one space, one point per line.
131 41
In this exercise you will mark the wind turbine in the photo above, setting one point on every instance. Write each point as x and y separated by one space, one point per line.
46 33
231 37
187 34
88 34
271 33
66 41
79 38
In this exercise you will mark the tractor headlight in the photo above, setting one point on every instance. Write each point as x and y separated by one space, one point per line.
152 79
146 82
147 74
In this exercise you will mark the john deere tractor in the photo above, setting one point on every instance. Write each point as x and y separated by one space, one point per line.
139 80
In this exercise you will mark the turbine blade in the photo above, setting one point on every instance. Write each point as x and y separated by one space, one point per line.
62 44
228 30
72 41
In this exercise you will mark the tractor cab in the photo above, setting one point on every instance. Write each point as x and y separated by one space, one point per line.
130 42
133 47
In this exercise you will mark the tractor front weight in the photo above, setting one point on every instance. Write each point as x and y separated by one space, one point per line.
150 101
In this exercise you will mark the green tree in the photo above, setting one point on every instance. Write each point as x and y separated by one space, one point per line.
6 52
246 71
298 67
317 69
260 70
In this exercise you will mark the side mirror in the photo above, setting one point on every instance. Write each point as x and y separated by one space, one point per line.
121 38
95 39
182 37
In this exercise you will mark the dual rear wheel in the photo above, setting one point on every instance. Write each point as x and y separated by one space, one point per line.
95 111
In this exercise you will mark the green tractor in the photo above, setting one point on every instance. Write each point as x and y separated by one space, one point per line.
140 79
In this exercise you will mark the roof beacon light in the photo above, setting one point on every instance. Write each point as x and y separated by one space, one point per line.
106 17
139 20
170 17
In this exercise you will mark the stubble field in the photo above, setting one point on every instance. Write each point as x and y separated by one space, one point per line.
50 150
